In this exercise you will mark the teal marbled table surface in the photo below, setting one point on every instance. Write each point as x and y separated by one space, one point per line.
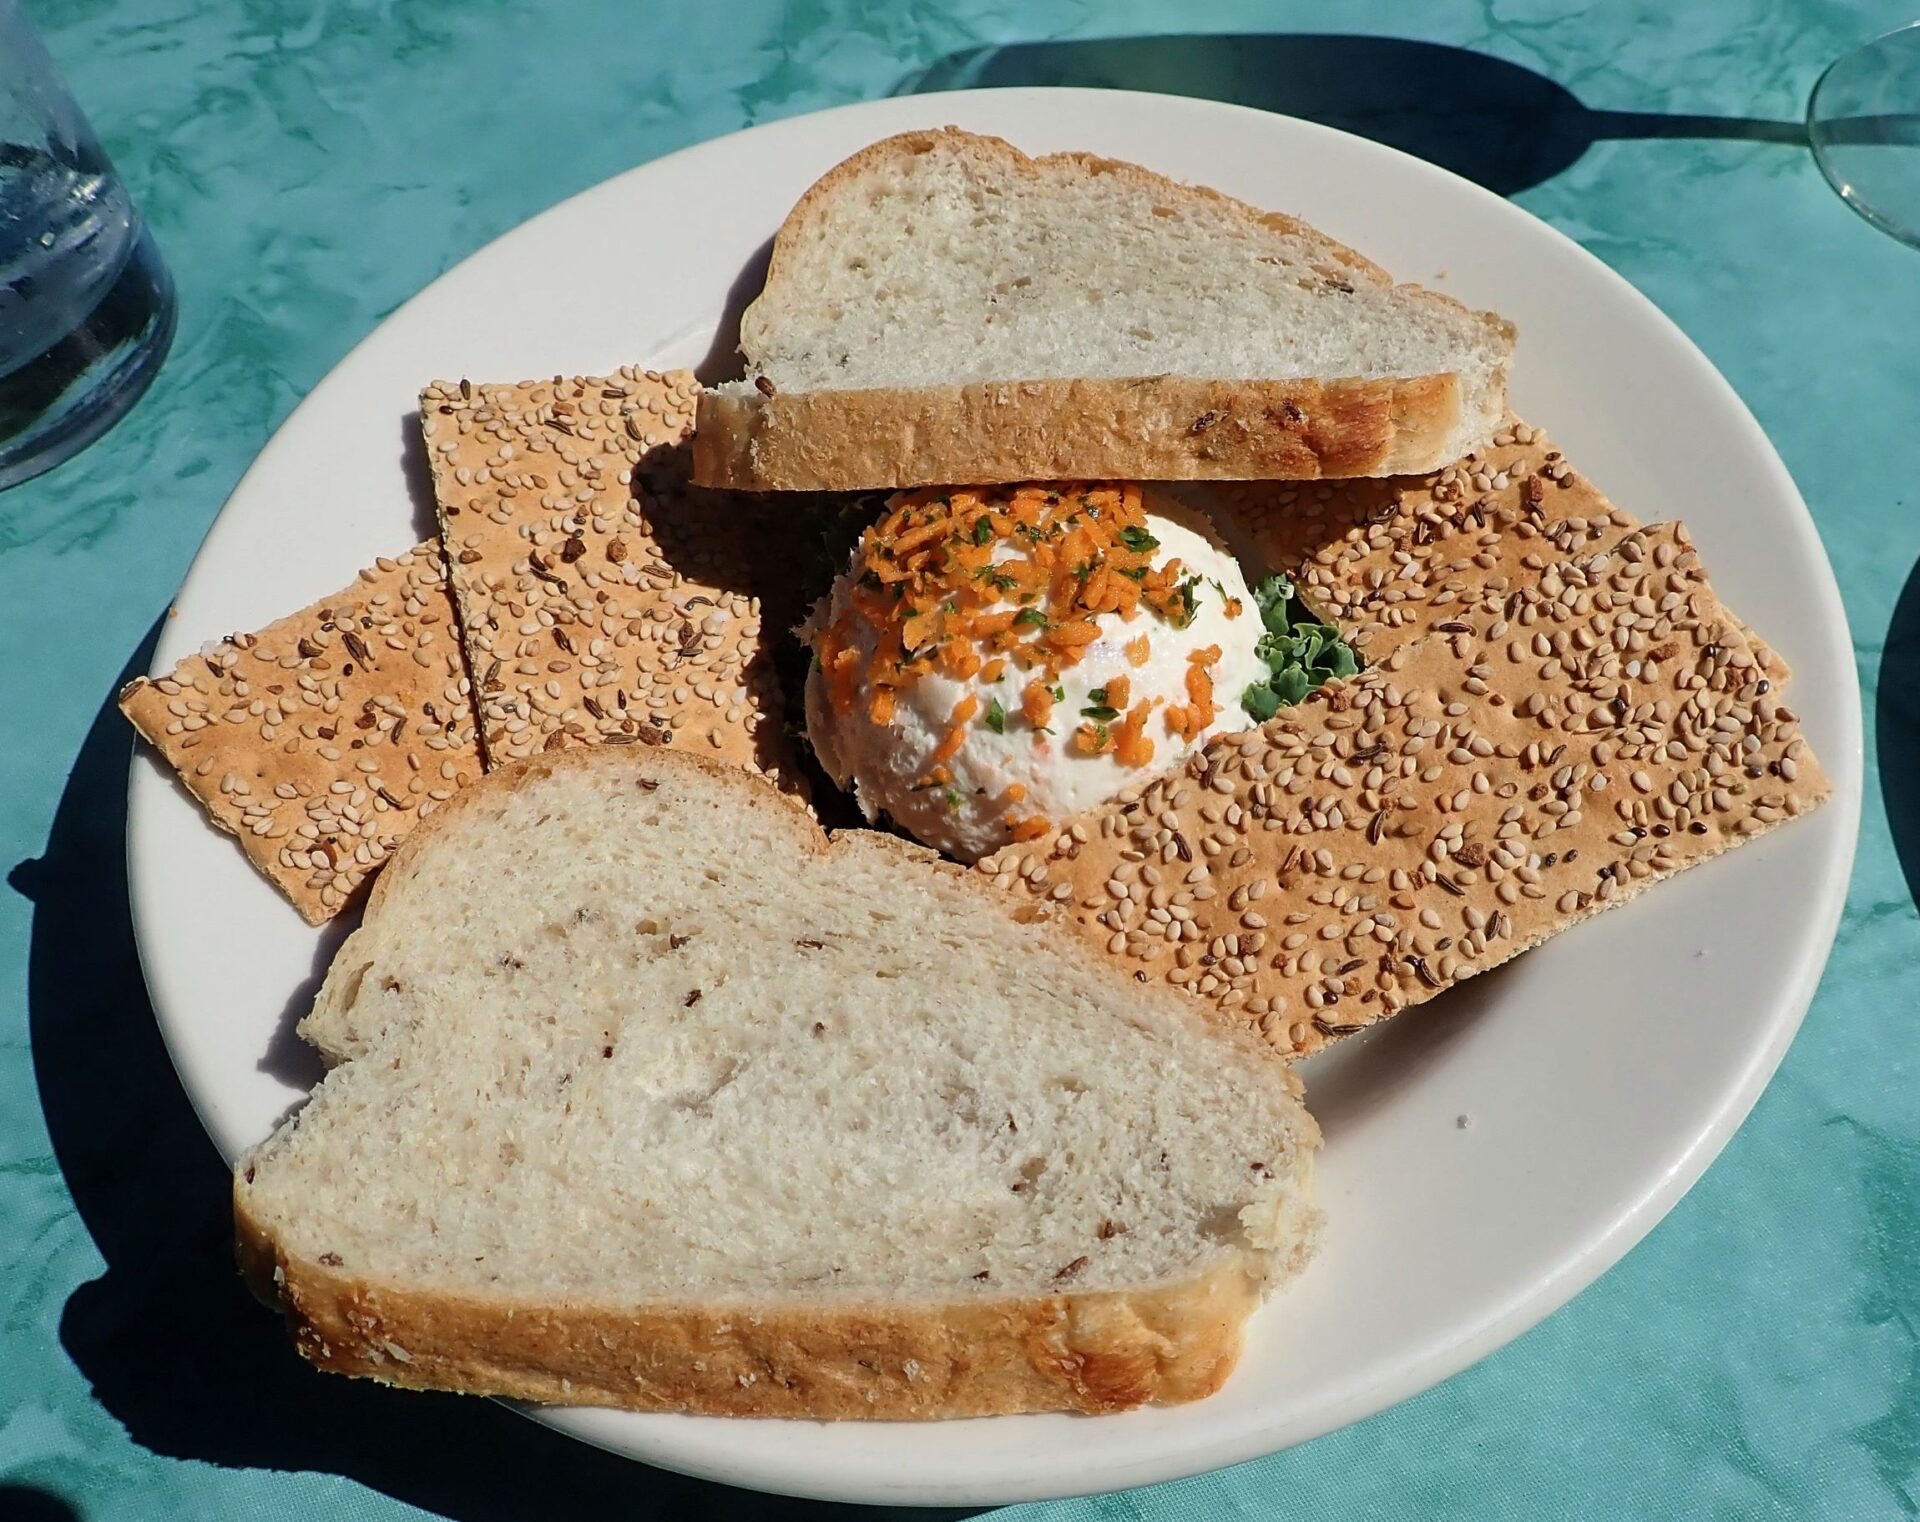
307 167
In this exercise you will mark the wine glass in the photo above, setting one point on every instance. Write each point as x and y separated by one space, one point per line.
1863 120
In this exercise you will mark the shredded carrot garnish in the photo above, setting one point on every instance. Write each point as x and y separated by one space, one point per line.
960 660
1072 635
1093 739
1023 571
1118 690
956 734
842 665
1036 703
1137 650
1199 710
1131 746
1016 793
994 669
1031 828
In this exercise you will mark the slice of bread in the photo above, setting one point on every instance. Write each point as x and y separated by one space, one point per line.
942 308
646 1095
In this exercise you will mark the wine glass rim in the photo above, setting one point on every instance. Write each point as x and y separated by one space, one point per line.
1841 187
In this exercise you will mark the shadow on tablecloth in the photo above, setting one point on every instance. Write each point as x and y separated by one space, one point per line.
172 1344
1495 122
30 1503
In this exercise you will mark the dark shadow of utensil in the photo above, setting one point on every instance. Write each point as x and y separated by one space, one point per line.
171 1343
1498 123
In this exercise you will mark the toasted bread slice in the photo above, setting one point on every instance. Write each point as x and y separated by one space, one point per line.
646 1095
943 308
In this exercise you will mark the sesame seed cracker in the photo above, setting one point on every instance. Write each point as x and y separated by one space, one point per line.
599 600
1386 560
321 740
1466 796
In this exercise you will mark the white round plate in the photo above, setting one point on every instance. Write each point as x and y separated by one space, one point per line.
1486 1156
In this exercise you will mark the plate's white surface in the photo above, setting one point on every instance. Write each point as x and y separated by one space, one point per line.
1596 1077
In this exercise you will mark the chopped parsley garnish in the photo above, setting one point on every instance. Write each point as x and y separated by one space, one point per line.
1032 618
983 529
1186 602
1302 654
996 716
995 578
1059 694
1138 539
1100 713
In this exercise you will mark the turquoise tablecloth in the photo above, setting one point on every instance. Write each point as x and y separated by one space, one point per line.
308 167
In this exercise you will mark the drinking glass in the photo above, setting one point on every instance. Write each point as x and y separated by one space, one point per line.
86 306
1863 121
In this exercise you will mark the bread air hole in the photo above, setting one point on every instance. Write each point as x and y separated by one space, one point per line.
1223 1222
354 980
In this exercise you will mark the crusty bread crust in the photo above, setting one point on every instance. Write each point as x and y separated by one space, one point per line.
1155 428
1096 1352
1143 428
1100 1350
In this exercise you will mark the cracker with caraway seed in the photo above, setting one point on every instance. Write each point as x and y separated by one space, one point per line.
1389 560
321 740
1456 803
599 601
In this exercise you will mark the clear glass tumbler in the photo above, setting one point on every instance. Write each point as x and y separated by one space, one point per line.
86 306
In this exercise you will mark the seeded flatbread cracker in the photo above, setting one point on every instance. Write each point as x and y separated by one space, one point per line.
320 741
1471 794
1387 560
594 608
